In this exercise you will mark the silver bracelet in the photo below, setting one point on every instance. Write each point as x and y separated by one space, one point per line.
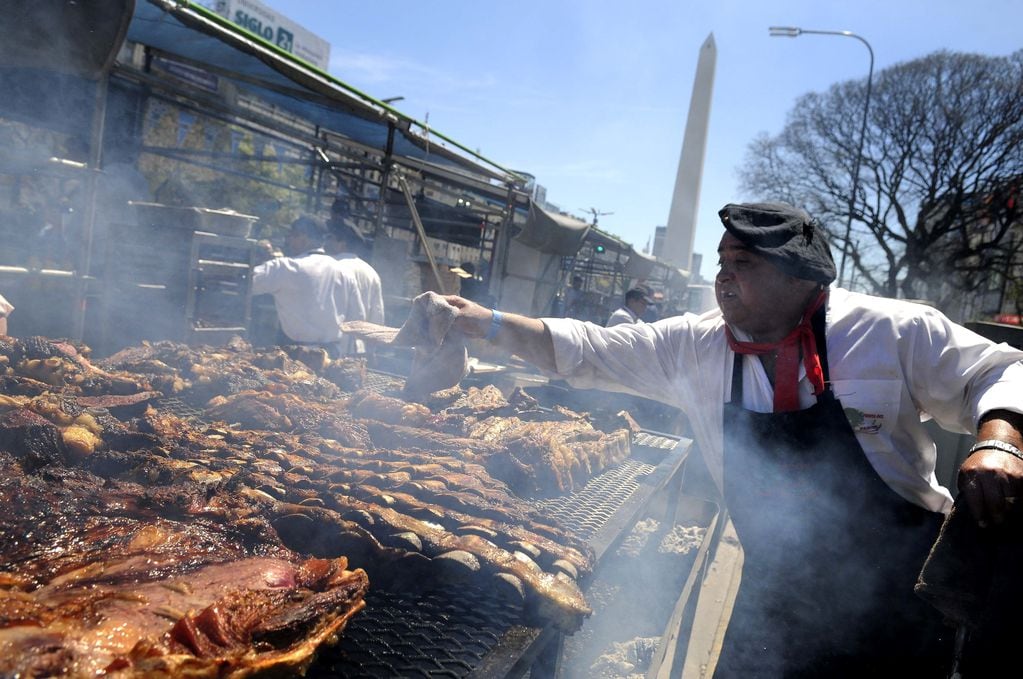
994 444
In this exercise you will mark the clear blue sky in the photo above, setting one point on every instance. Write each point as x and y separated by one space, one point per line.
591 96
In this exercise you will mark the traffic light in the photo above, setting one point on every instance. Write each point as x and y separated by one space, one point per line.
598 249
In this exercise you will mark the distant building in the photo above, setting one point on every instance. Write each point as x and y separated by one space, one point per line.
659 233
540 195
985 243
537 192
695 277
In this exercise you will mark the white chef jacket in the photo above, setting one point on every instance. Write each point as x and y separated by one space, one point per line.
893 364
311 293
366 303
622 314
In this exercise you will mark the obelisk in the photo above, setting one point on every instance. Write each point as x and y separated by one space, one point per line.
678 242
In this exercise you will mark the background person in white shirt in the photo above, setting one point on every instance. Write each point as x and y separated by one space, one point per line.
637 300
366 303
808 405
311 293
5 310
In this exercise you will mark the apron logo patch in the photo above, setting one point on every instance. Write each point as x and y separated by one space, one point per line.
864 423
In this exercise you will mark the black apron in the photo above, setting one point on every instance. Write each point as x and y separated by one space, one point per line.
831 553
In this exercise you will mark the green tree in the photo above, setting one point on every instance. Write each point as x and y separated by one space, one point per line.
944 148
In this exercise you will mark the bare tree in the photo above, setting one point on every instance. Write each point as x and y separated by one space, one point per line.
939 175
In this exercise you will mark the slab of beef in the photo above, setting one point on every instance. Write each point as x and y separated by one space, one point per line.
99 577
373 406
548 458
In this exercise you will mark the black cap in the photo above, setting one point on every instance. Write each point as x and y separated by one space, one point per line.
640 292
784 235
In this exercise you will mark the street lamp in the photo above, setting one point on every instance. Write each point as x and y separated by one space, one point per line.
794 32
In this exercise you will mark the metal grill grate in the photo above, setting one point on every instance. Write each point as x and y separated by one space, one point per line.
649 439
441 633
589 510
450 630
179 408
454 630
382 383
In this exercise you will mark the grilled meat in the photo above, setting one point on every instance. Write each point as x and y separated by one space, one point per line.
535 459
401 437
198 374
349 374
28 362
409 494
101 577
372 406
391 539
265 410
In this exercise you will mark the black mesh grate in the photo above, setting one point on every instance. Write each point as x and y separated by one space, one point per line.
382 383
444 632
179 408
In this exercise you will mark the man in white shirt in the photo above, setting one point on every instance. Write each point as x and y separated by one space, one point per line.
311 292
637 299
366 303
5 310
808 404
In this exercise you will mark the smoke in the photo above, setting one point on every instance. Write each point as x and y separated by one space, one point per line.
634 594
830 557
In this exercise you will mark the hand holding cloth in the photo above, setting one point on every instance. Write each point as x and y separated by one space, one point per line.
441 357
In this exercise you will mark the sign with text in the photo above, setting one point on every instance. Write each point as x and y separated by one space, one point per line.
276 28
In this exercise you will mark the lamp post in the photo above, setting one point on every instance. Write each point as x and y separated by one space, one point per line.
794 32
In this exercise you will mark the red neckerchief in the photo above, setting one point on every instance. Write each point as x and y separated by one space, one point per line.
786 364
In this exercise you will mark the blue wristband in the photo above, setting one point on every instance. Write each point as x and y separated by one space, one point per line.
495 325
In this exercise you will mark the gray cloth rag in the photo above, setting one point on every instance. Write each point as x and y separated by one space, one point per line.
441 357
974 576
956 577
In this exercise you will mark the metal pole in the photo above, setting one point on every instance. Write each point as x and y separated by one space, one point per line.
387 166
441 288
96 140
794 32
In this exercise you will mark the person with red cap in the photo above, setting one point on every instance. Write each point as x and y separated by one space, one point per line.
808 404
